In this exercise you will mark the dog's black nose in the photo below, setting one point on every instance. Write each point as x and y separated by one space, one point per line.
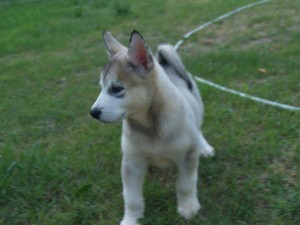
95 113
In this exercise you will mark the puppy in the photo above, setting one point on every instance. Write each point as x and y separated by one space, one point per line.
161 111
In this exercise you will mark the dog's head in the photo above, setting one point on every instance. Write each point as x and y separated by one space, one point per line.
124 80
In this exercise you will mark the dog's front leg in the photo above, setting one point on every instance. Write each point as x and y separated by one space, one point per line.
133 173
187 200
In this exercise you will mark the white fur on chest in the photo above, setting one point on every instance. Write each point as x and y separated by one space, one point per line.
160 152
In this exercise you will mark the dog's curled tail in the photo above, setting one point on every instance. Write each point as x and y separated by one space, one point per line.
167 55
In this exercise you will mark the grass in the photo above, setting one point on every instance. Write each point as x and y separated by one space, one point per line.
59 166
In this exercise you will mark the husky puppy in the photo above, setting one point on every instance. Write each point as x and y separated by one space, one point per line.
161 111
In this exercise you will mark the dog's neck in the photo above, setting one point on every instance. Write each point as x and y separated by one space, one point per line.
150 120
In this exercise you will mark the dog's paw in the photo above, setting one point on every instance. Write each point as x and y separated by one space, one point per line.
189 209
129 222
208 151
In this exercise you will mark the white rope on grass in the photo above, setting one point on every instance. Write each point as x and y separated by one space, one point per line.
241 94
201 27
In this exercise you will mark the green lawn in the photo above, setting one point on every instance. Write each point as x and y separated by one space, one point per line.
58 166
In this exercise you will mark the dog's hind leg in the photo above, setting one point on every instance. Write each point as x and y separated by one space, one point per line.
187 200
133 173
206 149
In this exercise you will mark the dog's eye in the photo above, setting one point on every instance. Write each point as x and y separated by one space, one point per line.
115 89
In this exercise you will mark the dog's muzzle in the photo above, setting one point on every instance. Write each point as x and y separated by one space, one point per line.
95 113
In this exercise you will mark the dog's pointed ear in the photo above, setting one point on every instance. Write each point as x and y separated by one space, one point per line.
139 54
111 44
